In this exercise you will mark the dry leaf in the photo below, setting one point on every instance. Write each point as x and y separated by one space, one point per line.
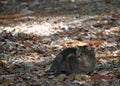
59 84
3 63
78 77
71 76
94 43
73 43
3 81
62 76
98 77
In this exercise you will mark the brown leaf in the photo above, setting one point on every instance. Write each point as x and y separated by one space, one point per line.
36 38
73 43
71 76
59 84
78 77
94 43
104 55
98 77
2 81
3 63
27 44
62 76
116 53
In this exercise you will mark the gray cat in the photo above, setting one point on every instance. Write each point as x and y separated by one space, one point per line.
74 60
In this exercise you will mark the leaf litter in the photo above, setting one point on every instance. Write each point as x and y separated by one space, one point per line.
27 49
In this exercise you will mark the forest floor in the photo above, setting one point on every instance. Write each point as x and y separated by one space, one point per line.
32 34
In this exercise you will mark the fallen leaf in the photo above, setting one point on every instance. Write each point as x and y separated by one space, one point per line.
78 77
98 77
3 81
59 84
62 77
3 63
71 76
94 43
73 43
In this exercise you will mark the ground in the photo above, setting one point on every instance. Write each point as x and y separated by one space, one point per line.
32 34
